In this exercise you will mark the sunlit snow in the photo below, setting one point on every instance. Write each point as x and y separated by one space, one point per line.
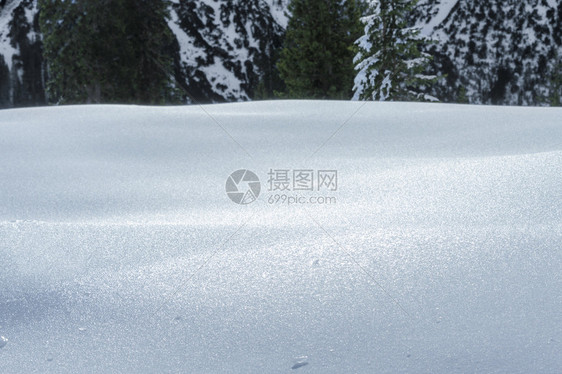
120 251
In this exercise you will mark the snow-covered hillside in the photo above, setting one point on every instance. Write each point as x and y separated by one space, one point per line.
497 51
491 52
224 48
121 252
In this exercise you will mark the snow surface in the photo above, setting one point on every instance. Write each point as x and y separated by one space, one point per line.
121 253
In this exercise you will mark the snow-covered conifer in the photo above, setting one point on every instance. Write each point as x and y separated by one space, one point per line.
389 63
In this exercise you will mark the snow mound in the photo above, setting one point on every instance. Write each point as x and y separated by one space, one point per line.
120 250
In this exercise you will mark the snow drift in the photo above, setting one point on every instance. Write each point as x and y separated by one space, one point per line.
120 251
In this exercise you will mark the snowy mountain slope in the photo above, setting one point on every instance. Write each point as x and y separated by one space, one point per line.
224 49
431 13
120 251
495 52
279 11
492 52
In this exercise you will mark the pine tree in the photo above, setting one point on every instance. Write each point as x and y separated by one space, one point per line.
5 99
389 63
107 51
555 84
26 65
317 58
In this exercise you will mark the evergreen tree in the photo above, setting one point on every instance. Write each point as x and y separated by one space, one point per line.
389 63
269 82
107 51
317 58
26 66
555 84
5 98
